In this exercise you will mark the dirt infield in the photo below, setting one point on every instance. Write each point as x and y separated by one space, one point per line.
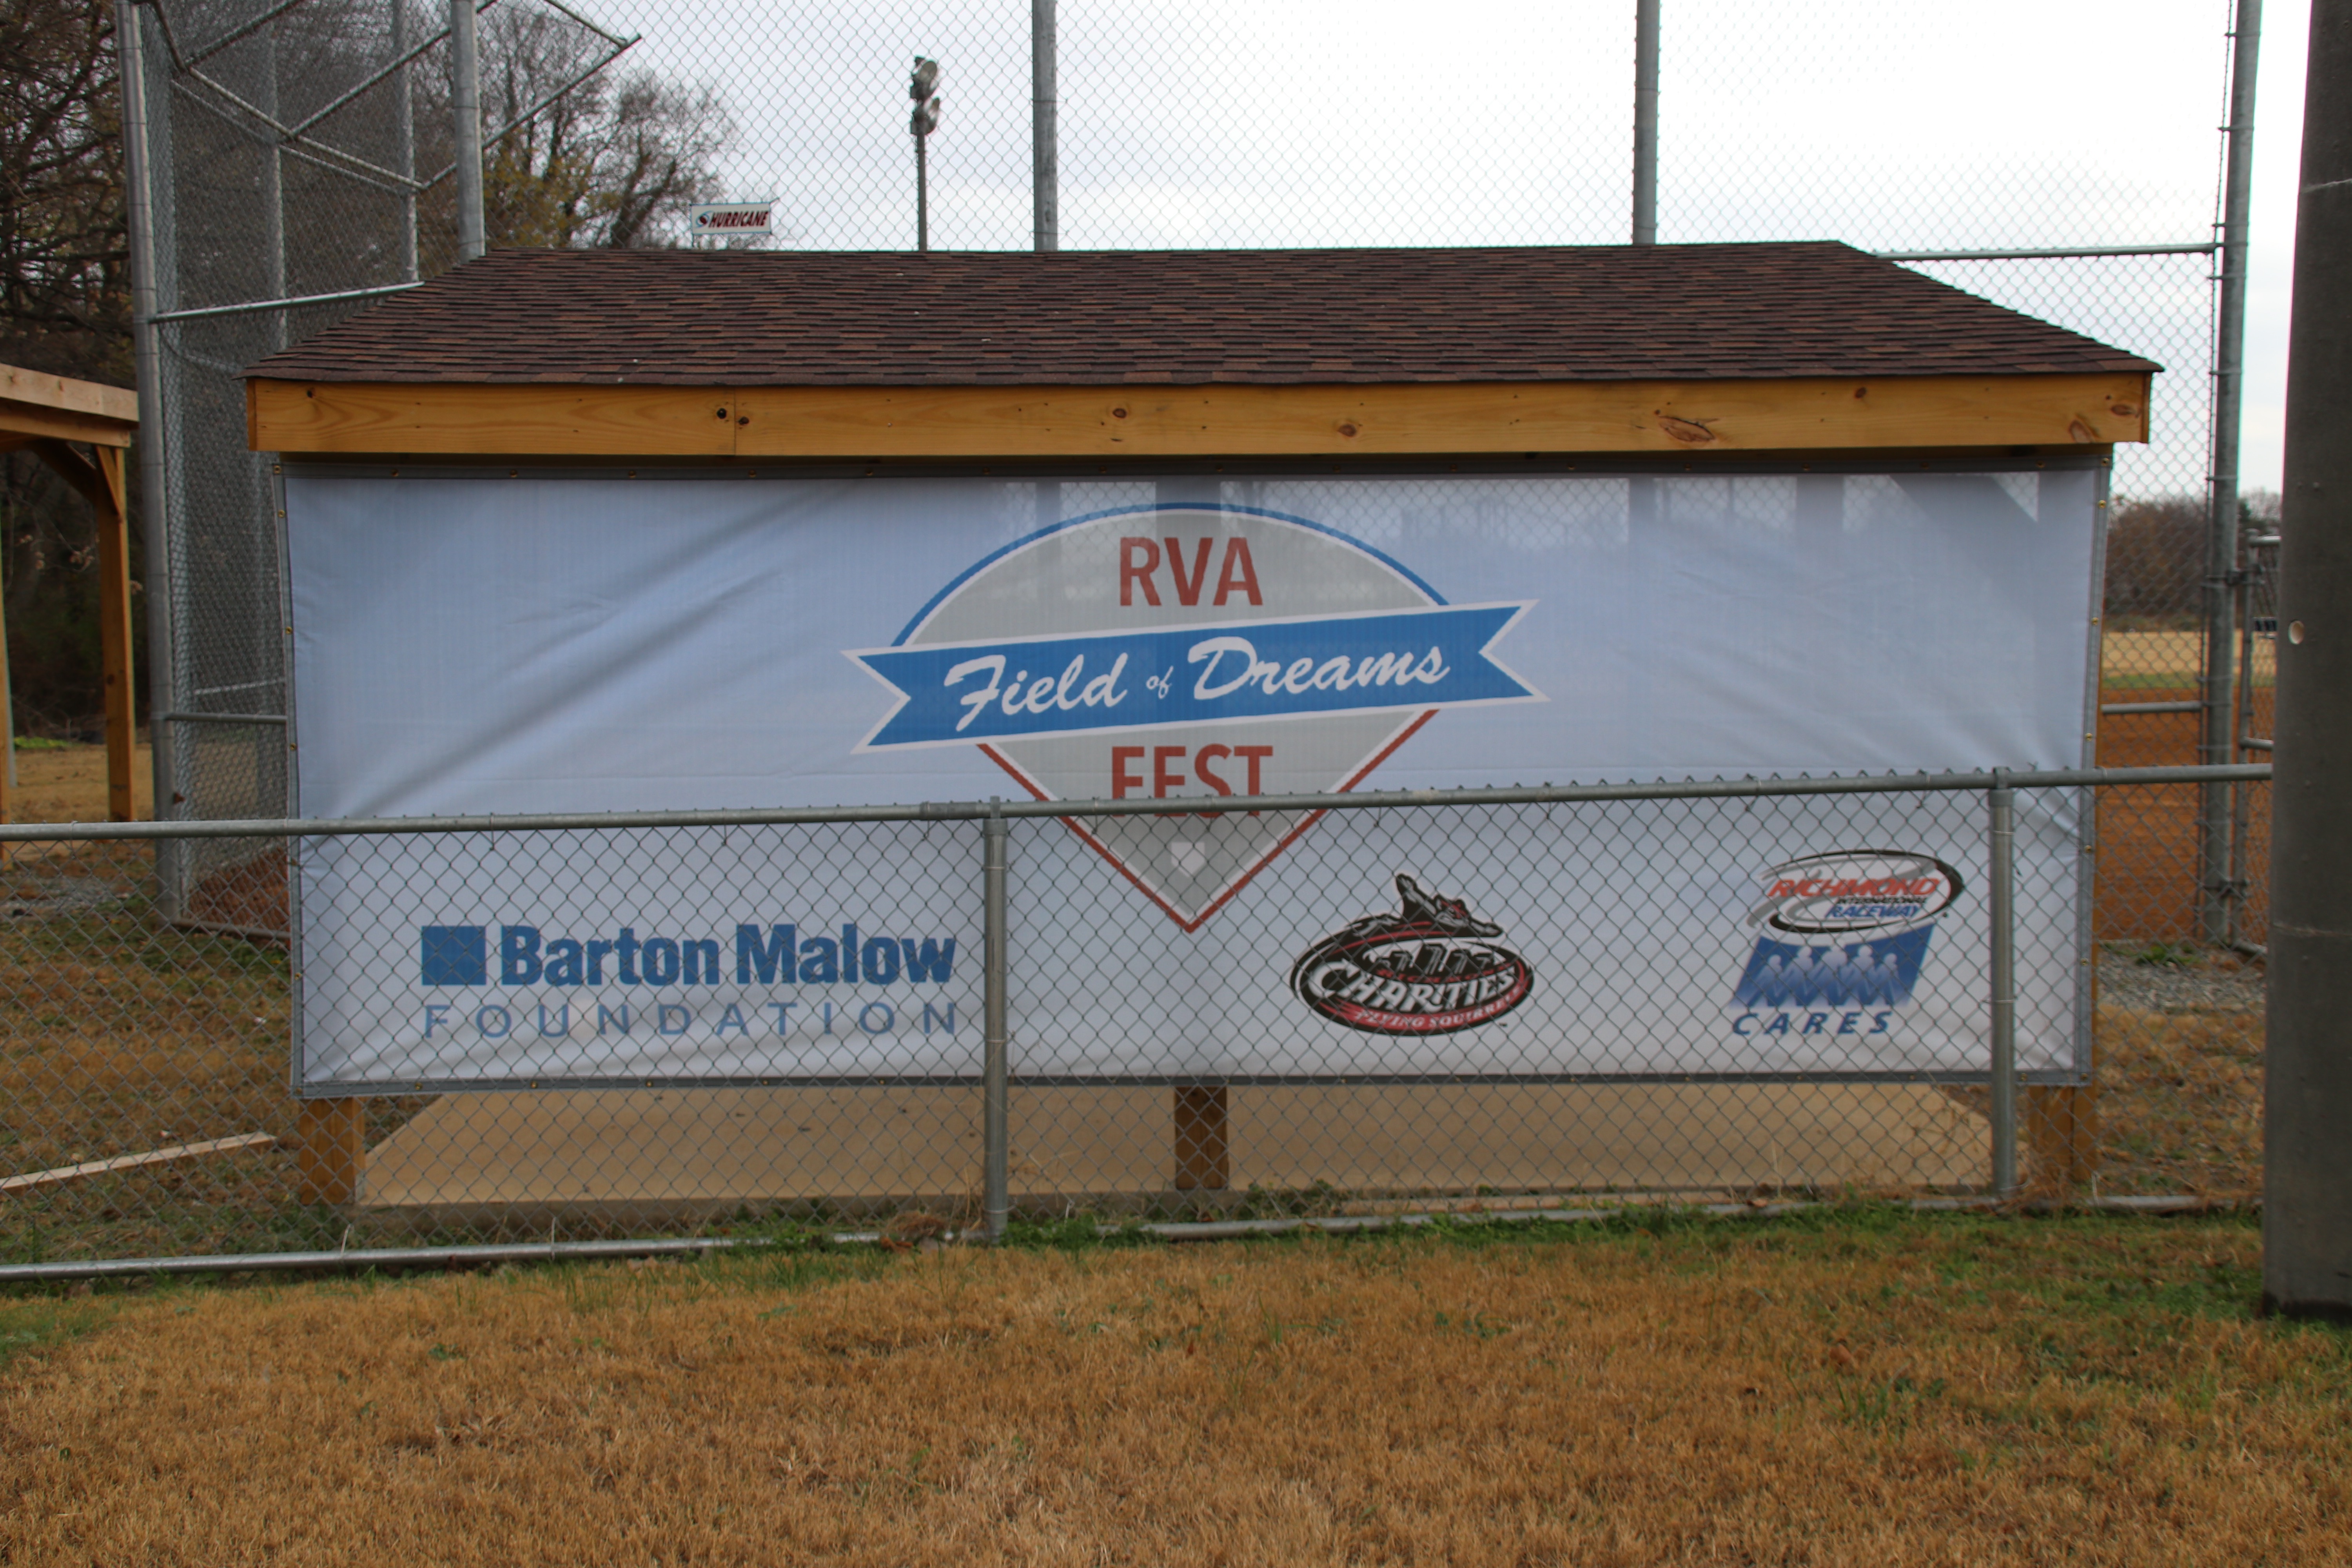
1857 1390
2148 835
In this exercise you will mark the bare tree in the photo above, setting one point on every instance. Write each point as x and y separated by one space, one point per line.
64 307
613 163
64 296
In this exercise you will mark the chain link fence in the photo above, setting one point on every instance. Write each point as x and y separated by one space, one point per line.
304 151
150 1110
299 160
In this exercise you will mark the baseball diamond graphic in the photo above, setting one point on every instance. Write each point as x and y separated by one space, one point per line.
1187 649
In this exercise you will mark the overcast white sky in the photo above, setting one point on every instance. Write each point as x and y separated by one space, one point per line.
1193 122
2278 151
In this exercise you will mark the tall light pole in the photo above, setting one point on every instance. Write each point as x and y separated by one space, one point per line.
922 123
1045 128
466 105
1645 122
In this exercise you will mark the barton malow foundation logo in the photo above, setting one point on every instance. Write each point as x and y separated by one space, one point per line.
1432 968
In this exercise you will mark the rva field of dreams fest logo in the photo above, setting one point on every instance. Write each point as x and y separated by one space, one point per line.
1187 650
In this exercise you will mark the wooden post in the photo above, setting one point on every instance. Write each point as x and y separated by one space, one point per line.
7 719
1202 1138
114 636
2061 1129
330 1150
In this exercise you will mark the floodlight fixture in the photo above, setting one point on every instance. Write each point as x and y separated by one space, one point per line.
922 123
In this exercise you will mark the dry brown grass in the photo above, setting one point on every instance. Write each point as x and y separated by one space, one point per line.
119 1034
1867 1390
68 783
2181 1101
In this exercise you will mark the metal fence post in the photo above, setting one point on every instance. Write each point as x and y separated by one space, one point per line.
2217 874
404 116
1645 122
1045 128
466 106
2000 898
995 1159
154 519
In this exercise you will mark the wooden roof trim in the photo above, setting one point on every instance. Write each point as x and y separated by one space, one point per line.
560 420
57 407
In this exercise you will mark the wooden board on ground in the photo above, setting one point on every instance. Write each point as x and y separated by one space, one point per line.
643 1154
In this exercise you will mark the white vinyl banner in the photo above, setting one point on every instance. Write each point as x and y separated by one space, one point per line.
472 644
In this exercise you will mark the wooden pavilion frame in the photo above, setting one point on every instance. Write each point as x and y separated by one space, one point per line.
49 415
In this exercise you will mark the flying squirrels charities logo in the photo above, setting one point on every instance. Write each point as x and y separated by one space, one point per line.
1188 650
1432 968
1842 937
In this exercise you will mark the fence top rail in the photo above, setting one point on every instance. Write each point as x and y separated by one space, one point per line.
976 810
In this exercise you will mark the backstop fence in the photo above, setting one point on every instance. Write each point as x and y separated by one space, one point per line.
2002 1032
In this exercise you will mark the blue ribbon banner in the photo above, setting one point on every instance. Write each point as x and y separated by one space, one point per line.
969 692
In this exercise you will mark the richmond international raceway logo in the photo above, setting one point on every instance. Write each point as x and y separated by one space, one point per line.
1188 650
1843 937
1433 968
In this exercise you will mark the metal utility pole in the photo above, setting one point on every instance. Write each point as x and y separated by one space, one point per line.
466 104
2217 873
1045 128
922 123
139 174
1641 492
404 131
1645 122
2307 1158
273 194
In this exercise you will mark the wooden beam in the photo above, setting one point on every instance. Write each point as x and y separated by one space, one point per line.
114 638
59 1174
63 425
7 724
73 468
101 483
2061 1122
330 1150
525 421
1203 1138
115 404
1225 420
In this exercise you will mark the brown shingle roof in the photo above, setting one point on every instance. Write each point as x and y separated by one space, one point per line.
1078 318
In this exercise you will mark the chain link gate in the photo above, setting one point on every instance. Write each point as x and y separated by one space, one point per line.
151 1114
